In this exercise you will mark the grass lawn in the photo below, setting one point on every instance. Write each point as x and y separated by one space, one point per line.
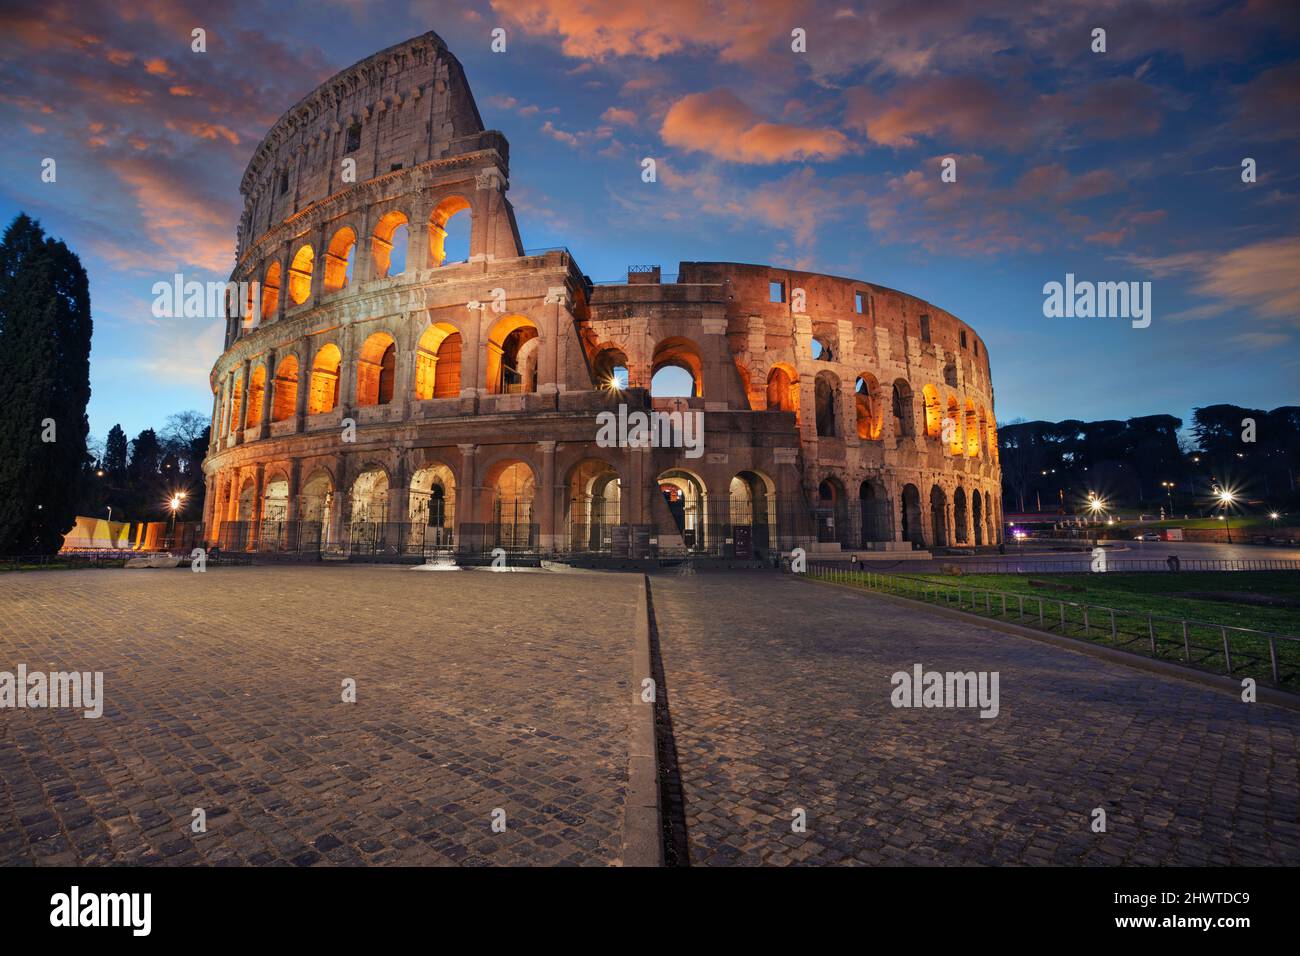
1137 602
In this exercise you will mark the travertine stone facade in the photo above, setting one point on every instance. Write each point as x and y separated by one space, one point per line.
461 398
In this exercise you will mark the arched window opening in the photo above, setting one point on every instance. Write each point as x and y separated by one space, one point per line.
977 513
933 414
256 394
912 528
973 430
437 362
952 426
821 350
753 513
324 394
870 415
874 508
826 393
285 395
783 390
610 369
271 291
339 258
512 355
315 506
300 275
904 420
676 370
236 406
368 531
388 245
376 368
449 232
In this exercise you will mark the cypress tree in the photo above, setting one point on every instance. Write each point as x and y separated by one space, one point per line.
45 330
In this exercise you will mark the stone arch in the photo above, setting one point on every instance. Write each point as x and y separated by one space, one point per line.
256 395
369 495
752 512
300 269
594 504
913 526
972 430
340 256
316 505
868 406
441 228
271 290
904 416
938 517
389 244
511 486
992 438
977 516
324 394
874 511
676 352
685 495
236 406
826 393
610 368
376 369
832 511
438 362
959 522
512 356
284 402
933 414
432 505
783 389
953 416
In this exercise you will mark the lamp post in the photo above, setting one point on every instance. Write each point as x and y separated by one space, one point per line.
1226 498
174 504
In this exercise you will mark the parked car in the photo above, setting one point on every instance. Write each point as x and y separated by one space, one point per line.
1147 536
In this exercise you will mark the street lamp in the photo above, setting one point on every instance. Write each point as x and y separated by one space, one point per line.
174 504
1226 498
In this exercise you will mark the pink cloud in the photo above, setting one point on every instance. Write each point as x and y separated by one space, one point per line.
720 124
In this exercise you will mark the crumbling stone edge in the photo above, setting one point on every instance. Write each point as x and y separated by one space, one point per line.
1220 682
642 823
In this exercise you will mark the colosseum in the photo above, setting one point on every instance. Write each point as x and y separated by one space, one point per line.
408 379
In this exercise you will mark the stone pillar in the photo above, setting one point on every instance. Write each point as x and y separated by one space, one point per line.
548 532
467 493
362 264
268 395
304 387
341 505
319 242
558 318
259 491
404 369
237 426
471 362
348 369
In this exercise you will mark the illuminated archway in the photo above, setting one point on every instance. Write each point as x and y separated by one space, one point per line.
904 417
284 402
594 505
432 509
954 423
437 362
783 390
449 231
512 356
324 380
826 393
512 488
315 507
676 353
376 369
271 291
256 395
388 244
933 413
686 499
752 499
300 274
339 258
867 403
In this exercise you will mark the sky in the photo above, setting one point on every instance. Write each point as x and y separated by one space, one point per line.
1115 166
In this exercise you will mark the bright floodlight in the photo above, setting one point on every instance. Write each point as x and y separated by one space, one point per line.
176 502
1226 496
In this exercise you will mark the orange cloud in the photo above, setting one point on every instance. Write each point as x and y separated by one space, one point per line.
720 124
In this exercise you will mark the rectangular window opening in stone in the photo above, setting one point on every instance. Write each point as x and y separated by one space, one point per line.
776 291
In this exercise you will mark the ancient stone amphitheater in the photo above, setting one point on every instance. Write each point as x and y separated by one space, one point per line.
417 382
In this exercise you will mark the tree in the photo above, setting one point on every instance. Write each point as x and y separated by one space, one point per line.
115 453
45 332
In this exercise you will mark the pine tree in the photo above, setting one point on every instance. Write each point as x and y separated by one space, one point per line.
115 453
45 330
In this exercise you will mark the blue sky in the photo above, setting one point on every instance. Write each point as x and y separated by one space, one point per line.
1116 166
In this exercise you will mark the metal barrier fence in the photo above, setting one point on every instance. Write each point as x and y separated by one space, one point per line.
1083 563
1238 651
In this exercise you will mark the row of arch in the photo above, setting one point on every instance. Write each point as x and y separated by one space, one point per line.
512 356
389 245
